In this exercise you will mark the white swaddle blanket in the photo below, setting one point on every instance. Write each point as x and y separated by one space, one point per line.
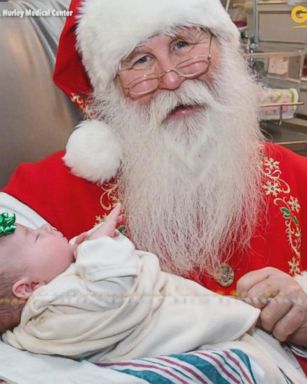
26 368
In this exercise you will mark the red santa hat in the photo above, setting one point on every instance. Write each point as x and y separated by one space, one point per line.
95 39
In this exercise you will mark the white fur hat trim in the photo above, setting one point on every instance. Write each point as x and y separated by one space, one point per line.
93 152
108 30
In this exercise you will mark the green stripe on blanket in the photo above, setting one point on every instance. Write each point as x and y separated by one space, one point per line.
230 366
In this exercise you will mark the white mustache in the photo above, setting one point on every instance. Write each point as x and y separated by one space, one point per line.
190 93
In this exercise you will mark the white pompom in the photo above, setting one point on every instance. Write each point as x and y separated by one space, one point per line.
93 152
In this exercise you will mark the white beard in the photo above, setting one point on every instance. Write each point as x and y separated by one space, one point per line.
190 187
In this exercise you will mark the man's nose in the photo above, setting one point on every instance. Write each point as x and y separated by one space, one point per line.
170 78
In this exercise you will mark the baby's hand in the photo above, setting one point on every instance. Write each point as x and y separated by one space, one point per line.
108 228
82 237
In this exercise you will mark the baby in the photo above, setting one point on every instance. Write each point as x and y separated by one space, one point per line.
98 298
32 258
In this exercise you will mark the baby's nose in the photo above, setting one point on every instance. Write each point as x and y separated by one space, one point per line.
46 227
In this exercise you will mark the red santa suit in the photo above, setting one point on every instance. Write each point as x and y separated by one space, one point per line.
72 205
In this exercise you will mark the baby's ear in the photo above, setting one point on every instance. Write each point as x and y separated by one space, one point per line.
24 287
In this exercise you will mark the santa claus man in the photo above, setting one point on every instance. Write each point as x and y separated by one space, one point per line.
173 133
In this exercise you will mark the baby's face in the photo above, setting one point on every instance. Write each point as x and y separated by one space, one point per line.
44 252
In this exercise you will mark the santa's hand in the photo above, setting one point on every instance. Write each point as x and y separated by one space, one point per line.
282 301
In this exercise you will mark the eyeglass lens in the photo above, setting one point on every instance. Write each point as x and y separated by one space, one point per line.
191 64
148 83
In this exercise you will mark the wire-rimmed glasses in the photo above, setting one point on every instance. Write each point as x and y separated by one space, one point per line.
189 68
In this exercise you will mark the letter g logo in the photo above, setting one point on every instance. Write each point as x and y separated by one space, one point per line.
299 14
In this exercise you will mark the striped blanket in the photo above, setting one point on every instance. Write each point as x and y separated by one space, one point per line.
230 366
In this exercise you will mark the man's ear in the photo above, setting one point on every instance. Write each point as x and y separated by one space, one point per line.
24 287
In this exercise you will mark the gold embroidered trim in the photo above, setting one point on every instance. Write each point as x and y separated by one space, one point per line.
109 196
108 199
288 205
82 104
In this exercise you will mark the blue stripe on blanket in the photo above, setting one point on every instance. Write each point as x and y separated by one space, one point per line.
230 366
